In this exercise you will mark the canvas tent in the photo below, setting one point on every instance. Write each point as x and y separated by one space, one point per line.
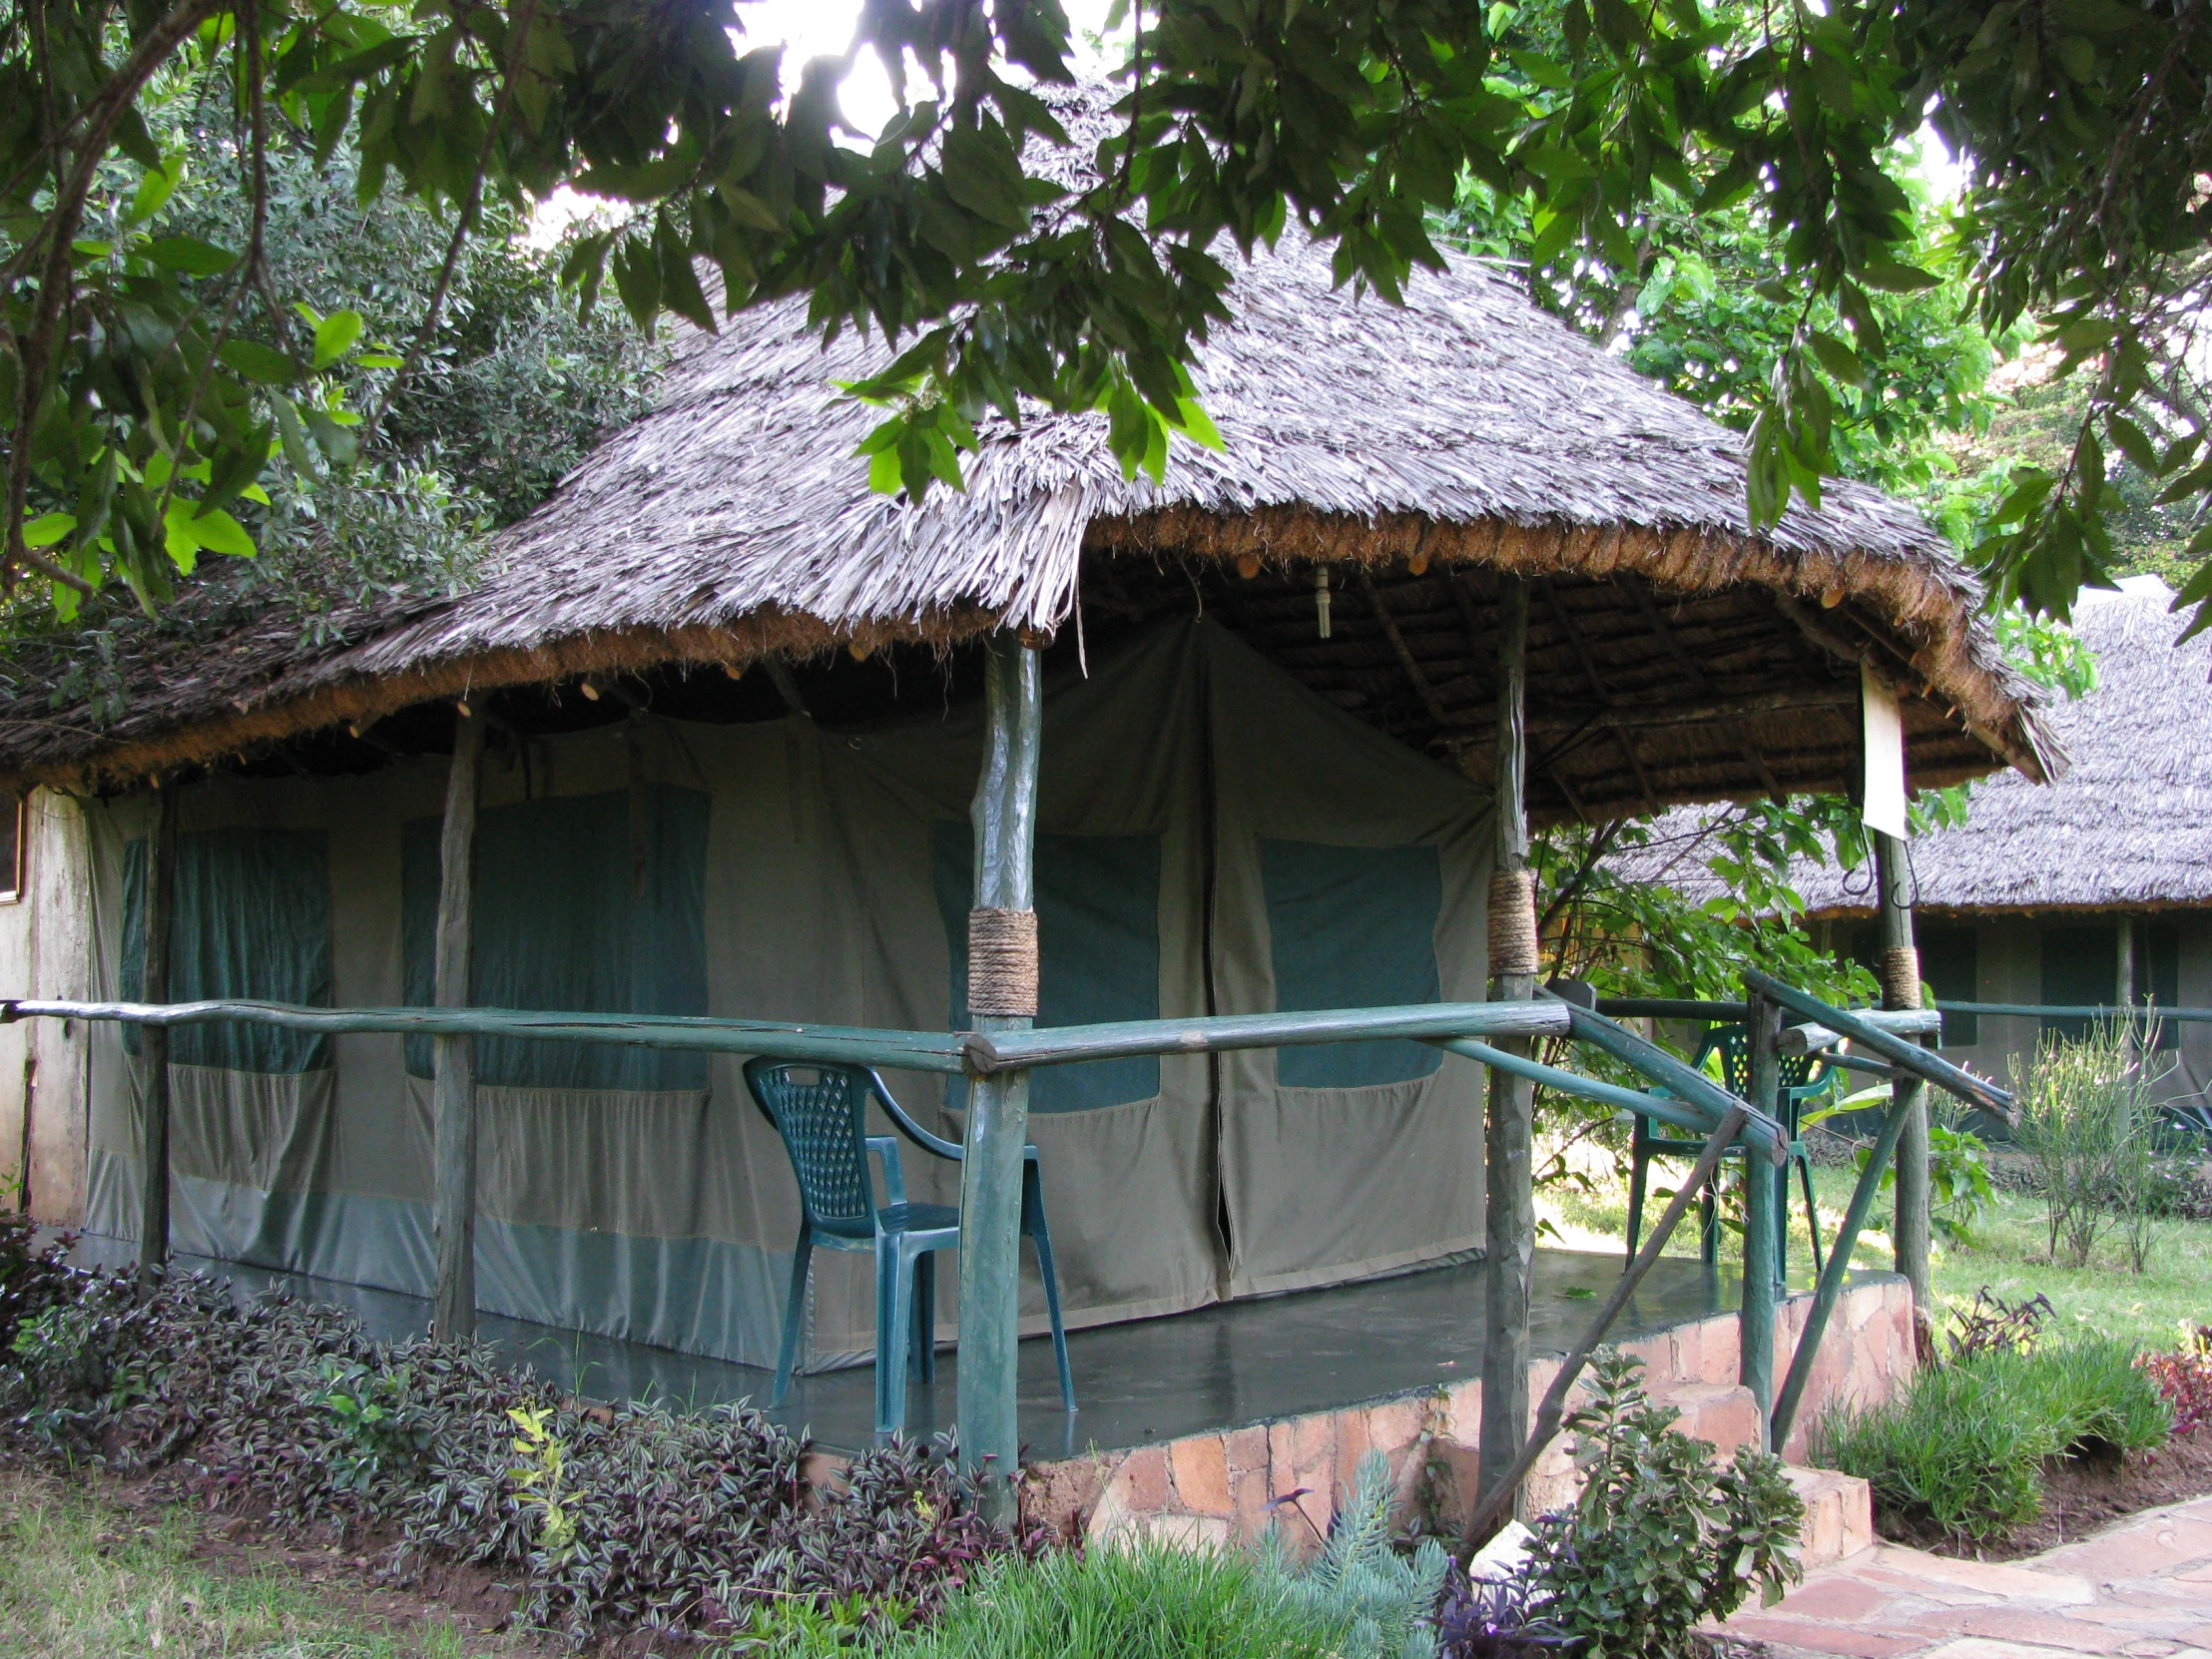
1212 837
733 696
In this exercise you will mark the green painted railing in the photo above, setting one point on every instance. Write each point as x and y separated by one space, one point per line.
1691 1100
2080 1010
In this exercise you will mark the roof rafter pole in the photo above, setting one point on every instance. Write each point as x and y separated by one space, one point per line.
161 912
1697 678
1900 988
1763 1190
1002 996
1510 1213
453 1085
1621 740
1405 658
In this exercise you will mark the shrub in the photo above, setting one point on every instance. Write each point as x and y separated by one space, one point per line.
1993 1325
1659 1537
2091 1129
33 1277
1382 1601
1148 1602
1964 1448
2092 1393
624 1517
2184 1380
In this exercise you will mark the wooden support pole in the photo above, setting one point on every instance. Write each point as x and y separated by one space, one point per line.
2127 977
1832 1276
1004 815
1893 881
161 912
1492 1507
1763 1190
453 1091
1510 1241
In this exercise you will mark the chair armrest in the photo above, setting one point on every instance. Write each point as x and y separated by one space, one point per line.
936 1145
894 1178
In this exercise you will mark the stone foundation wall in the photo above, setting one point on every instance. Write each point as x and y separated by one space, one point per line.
1229 1484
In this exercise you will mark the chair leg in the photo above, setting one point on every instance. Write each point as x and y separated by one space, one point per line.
1709 1220
1781 1178
1032 1223
794 1309
890 1360
924 1348
1812 1213
891 1343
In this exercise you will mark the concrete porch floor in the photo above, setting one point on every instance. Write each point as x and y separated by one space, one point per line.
1144 1383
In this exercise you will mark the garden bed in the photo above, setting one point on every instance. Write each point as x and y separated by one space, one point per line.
2081 1494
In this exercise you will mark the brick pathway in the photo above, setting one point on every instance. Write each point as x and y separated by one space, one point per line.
2142 1588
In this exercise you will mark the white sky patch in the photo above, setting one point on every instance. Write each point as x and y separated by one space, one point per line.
809 29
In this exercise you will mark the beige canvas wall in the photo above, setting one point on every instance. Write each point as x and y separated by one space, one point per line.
668 1216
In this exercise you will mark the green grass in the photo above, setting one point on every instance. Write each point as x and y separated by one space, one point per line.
80 1579
2008 1254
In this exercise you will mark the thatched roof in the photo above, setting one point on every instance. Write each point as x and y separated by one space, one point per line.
1419 451
2129 828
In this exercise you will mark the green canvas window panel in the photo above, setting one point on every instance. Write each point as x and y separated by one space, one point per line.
1951 966
1353 927
1098 953
580 904
252 924
2081 965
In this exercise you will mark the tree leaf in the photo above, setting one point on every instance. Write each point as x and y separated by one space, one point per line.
260 362
334 337
188 255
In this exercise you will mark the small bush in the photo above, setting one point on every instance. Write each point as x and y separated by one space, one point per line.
1950 1453
1660 1537
1382 1601
1993 1325
2095 1396
2090 1127
2184 1380
1963 1449
1149 1602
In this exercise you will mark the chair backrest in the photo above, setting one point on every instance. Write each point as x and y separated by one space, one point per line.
1733 1044
825 1128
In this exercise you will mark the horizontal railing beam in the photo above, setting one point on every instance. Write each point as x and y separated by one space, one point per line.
908 1050
1912 1022
2085 1010
1679 1079
1574 1083
1904 1055
1059 1045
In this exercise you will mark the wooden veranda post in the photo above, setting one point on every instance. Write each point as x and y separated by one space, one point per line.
453 1092
1762 1217
1511 1211
1002 996
1900 988
161 908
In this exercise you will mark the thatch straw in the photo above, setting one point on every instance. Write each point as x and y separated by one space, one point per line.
734 521
2129 826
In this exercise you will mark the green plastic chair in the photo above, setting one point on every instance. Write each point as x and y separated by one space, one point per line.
1804 1077
824 1124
